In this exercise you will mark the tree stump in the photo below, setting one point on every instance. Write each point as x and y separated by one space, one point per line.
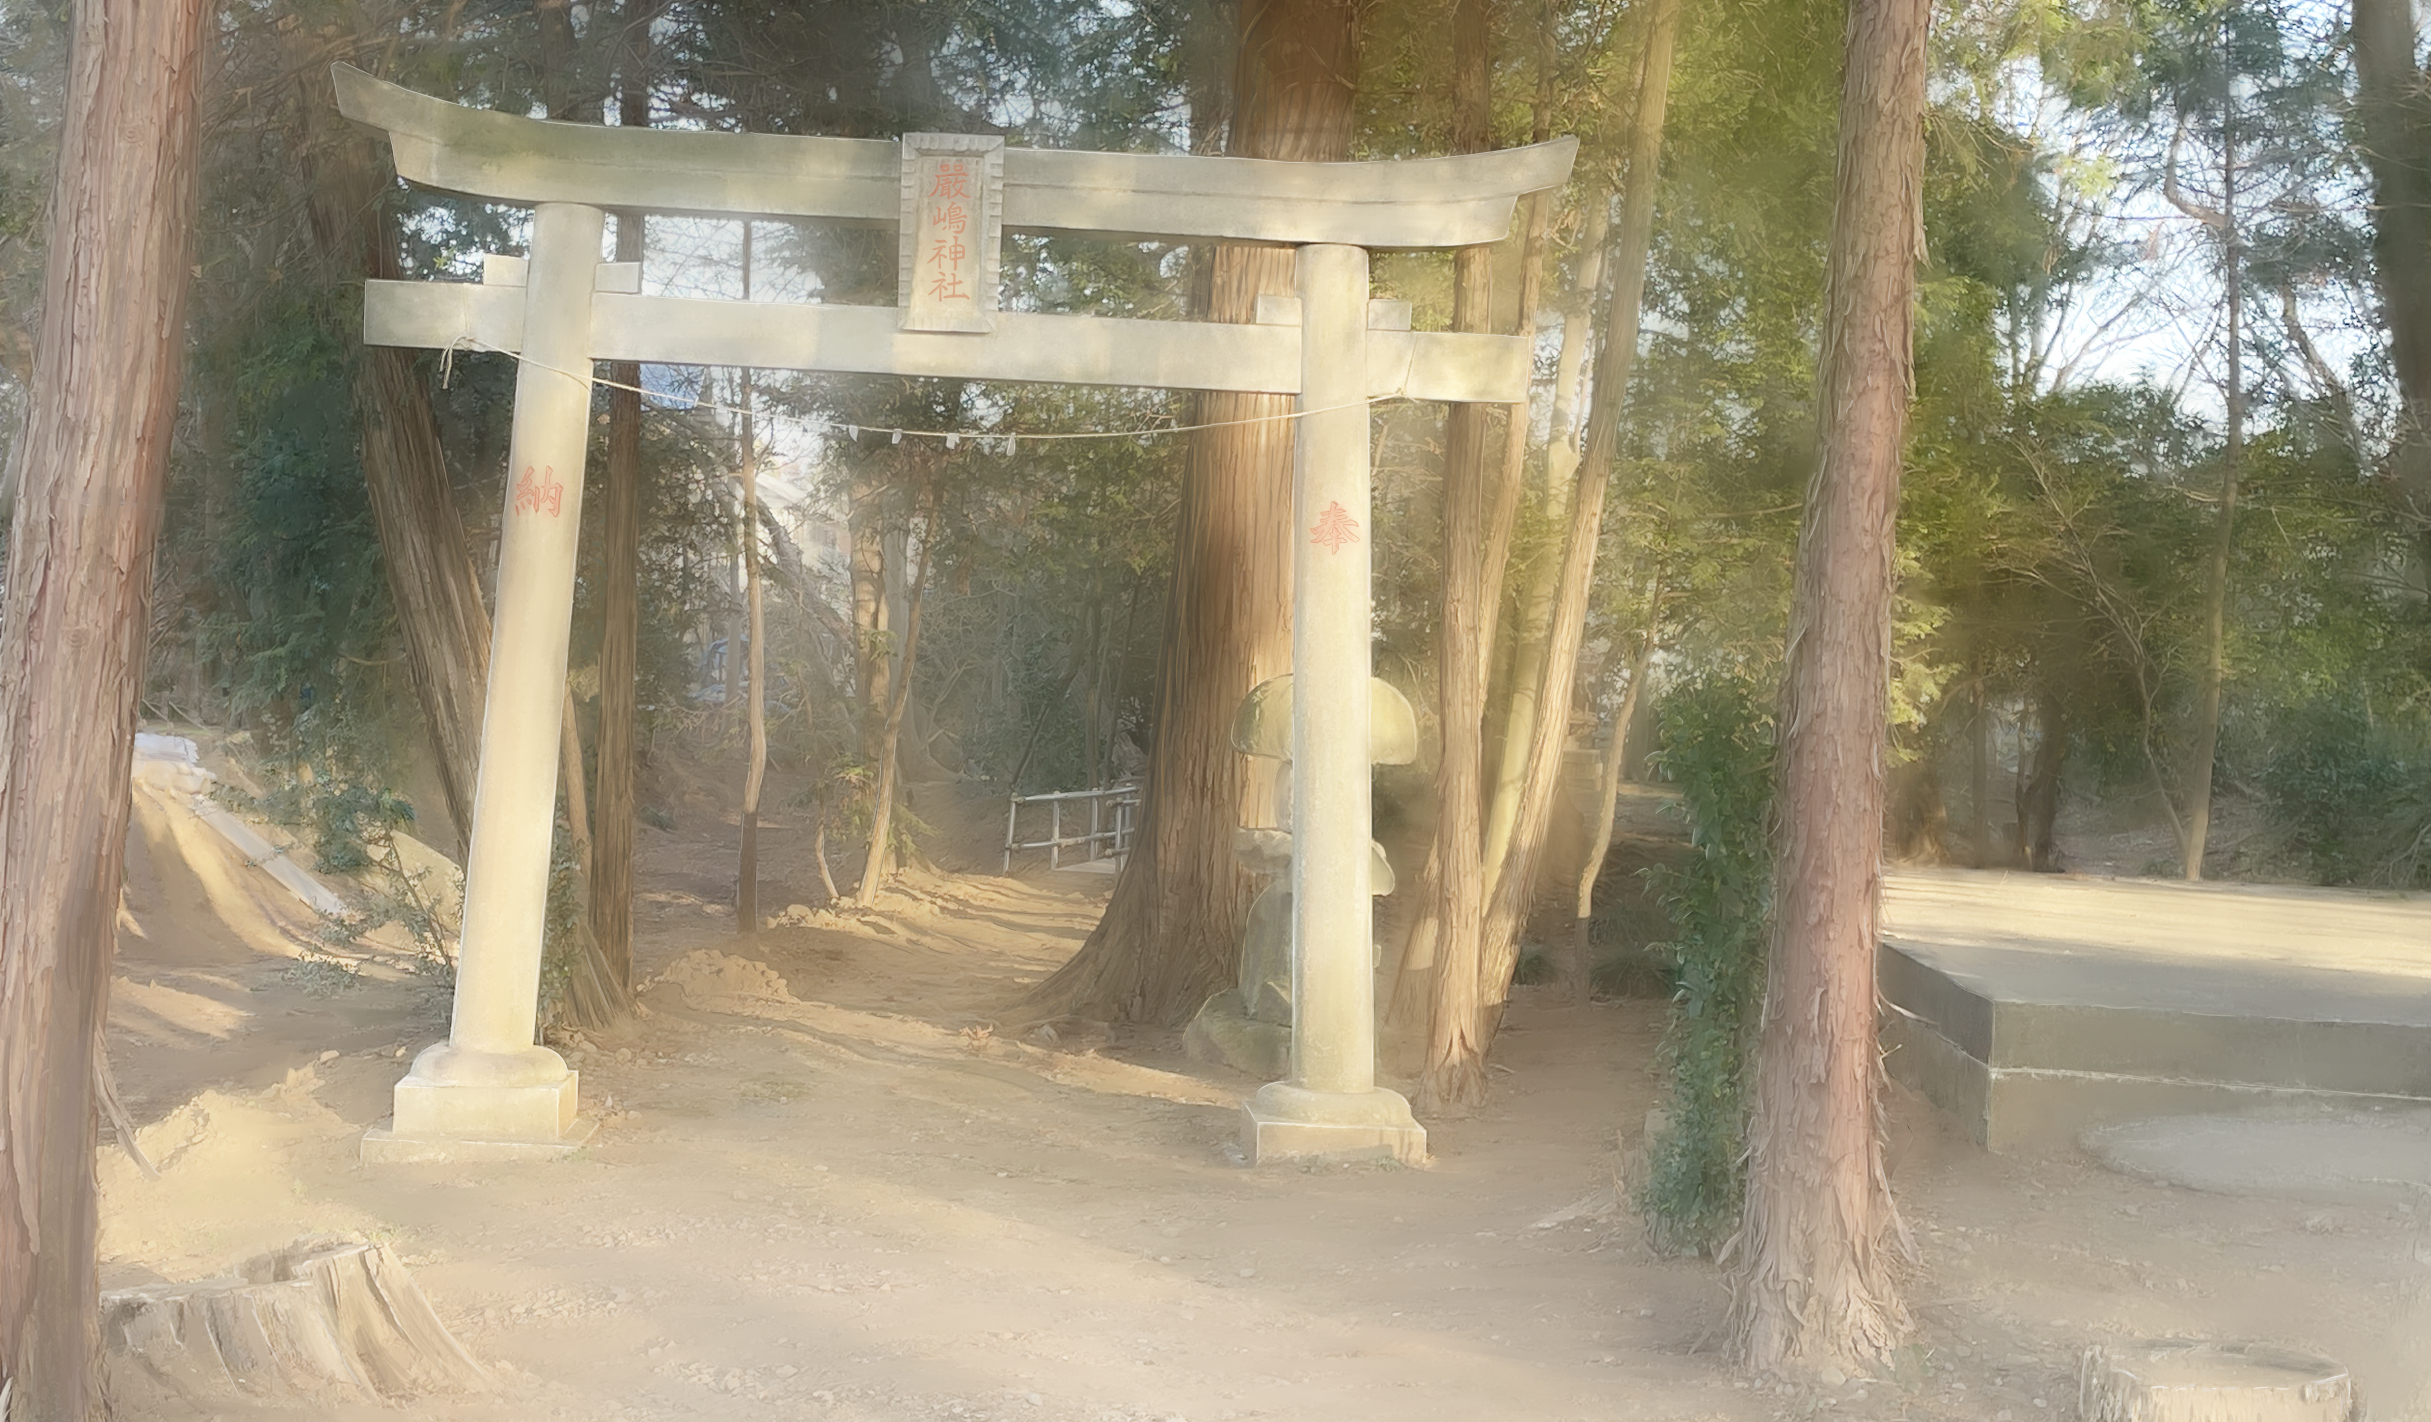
319 1320
2186 1380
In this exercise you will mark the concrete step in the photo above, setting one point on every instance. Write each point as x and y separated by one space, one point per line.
2033 1006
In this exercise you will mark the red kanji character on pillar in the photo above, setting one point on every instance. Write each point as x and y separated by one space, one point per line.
541 494
1334 528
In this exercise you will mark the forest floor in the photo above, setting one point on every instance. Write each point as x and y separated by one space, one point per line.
824 1187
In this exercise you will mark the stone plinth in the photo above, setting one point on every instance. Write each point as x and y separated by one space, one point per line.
462 1105
1287 1122
383 1146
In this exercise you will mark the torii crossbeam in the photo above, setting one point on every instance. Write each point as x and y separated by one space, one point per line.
490 1091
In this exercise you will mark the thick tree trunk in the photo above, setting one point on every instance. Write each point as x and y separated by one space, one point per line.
2395 109
1511 879
1814 1246
571 774
441 617
2196 834
875 868
1979 772
616 814
755 761
2038 791
620 533
592 997
92 464
872 657
1535 236
1409 1004
1171 932
1473 465
1518 717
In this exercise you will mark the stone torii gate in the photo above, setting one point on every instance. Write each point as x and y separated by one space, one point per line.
490 1091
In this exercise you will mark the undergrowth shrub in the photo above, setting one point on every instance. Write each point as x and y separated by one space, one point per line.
1534 967
1716 734
2352 795
352 824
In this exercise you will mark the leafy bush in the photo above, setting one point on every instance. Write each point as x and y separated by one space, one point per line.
353 824
1717 747
2353 795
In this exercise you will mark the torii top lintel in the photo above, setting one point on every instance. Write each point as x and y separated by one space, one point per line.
1411 203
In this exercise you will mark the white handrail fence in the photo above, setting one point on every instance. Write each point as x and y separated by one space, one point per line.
1113 816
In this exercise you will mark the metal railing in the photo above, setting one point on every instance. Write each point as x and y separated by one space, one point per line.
1113 814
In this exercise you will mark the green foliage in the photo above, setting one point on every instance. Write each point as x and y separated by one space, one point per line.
2353 794
1038 638
352 824
348 820
1717 746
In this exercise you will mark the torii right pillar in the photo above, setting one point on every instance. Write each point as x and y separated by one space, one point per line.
1331 1107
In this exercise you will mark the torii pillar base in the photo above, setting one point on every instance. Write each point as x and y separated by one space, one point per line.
459 1106
1287 1122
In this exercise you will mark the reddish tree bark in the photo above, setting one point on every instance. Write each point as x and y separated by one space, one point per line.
1814 1247
1172 930
620 536
1468 1018
441 619
2395 109
888 771
72 644
1473 465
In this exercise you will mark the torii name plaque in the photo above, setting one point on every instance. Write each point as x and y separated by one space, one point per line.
490 1091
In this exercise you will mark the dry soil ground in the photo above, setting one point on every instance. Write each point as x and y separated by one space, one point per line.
824 1188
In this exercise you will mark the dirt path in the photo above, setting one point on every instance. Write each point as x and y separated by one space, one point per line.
823 1189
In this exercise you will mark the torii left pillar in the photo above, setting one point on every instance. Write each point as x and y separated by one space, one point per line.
490 1091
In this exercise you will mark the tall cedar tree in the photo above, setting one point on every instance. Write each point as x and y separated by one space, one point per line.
2195 829
1468 1008
1172 929
441 619
596 990
2394 105
1472 467
620 536
72 643
1813 1252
